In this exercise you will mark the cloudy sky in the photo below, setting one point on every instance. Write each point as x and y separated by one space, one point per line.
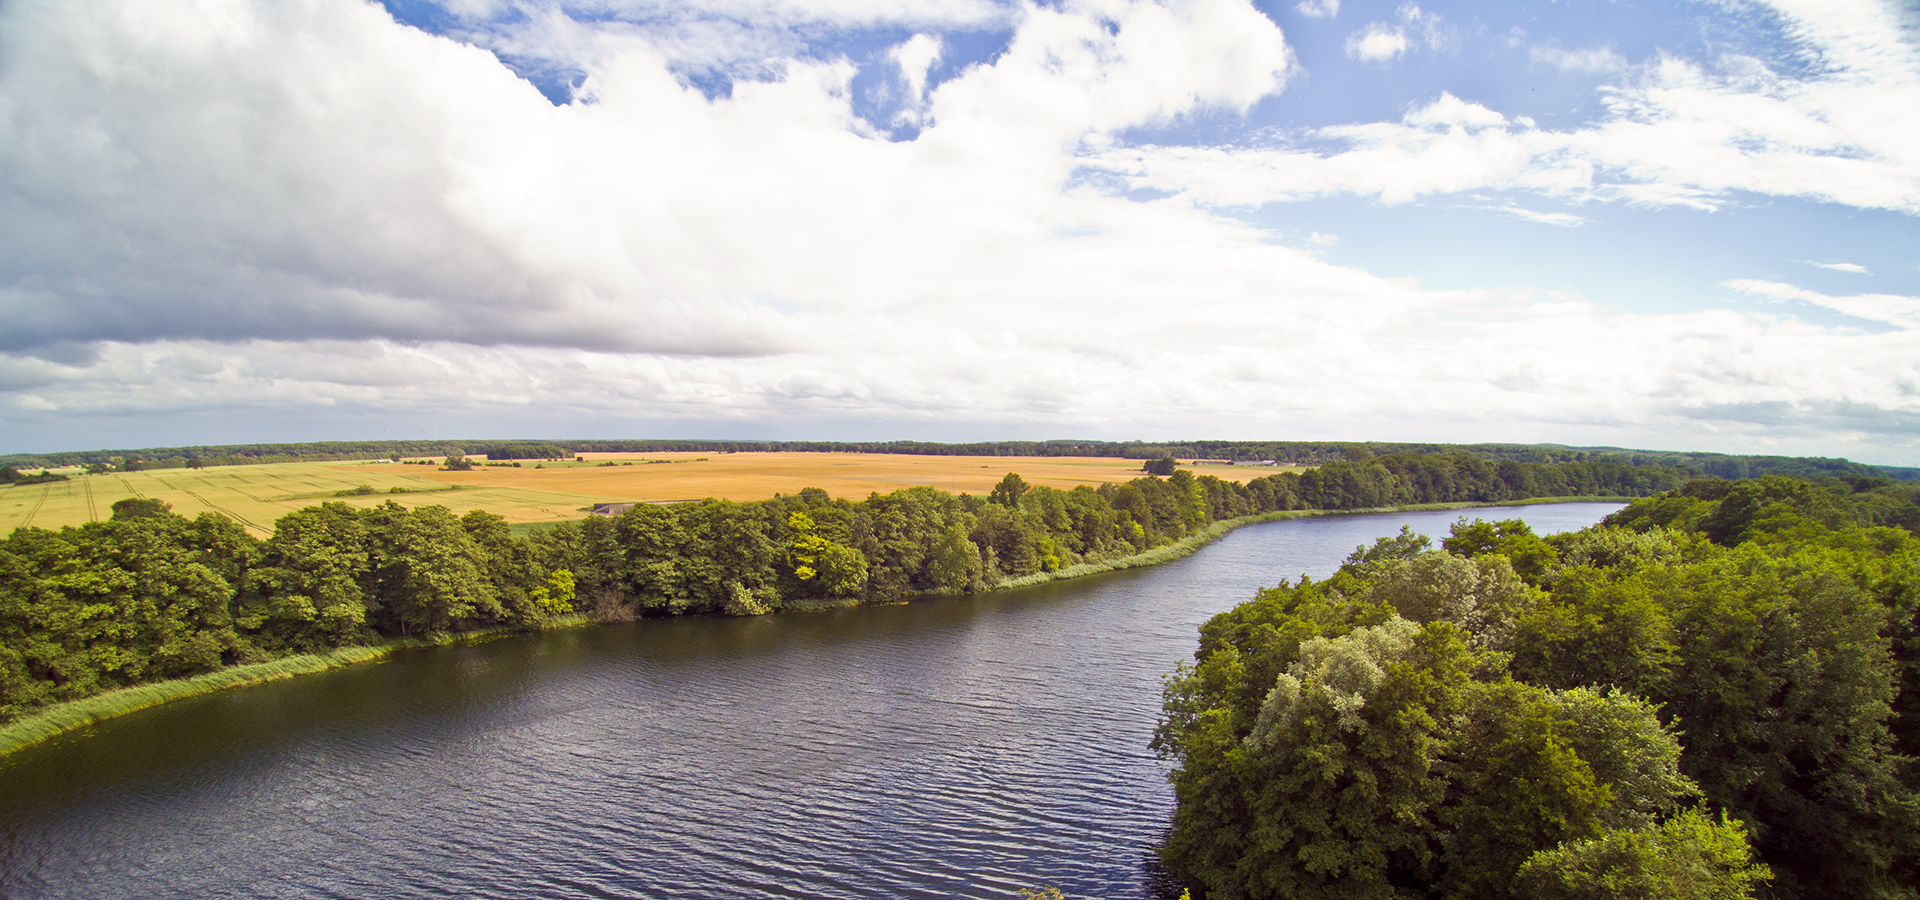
1687 225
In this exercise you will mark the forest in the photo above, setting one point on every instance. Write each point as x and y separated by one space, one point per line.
1714 693
149 595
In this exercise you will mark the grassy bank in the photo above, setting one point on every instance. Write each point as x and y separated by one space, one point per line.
64 717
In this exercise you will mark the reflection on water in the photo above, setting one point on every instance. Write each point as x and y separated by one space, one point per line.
948 748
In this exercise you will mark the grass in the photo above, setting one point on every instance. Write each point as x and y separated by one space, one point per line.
256 496
64 717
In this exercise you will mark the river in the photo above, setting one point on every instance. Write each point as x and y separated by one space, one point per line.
960 747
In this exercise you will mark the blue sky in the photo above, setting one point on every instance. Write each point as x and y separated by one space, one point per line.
1685 225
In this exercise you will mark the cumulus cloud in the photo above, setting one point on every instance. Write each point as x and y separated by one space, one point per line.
310 169
304 206
1381 42
1675 132
1377 43
1319 9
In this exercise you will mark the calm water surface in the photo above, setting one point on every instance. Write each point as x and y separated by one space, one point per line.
947 748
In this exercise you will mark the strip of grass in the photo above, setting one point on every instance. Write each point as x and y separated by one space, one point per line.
64 717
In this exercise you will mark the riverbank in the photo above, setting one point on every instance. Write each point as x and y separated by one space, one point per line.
65 717
1191 544
75 714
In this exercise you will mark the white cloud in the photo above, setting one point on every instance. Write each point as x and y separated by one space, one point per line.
1854 268
1381 42
291 208
1562 219
1319 9
1447 146
1601 60
916 59
310 169
1676 132
1892 309
772 13
1377 43
1323 351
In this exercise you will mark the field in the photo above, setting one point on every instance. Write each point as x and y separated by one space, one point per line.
257 495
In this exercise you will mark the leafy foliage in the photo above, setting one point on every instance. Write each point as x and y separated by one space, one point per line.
10 475
1688 857
1513 716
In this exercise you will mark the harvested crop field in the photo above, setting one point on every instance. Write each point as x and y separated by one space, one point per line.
257 495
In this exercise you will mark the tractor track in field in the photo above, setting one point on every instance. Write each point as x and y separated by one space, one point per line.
210 504
239 487
36 507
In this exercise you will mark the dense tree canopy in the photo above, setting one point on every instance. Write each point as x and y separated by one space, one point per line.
1712 690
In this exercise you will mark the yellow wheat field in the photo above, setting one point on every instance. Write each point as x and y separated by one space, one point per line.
257 495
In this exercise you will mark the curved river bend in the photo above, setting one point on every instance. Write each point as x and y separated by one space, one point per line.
948 748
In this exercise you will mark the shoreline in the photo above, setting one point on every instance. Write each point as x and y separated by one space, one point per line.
72 715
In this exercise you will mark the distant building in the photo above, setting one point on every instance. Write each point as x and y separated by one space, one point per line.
612 509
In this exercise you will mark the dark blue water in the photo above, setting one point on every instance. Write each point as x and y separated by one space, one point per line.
961 747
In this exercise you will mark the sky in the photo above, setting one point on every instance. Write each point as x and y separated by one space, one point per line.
1666 225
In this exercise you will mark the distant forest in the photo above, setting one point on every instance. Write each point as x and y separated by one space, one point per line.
1307 453
150 595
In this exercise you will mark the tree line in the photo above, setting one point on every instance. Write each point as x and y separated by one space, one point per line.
149 595
1310 453
1715 693
11 475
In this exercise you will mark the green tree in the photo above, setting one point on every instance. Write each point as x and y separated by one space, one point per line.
954 566
555 598
1008 492
140 508
428 574
310 593
822 567
1512 538
1688 857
